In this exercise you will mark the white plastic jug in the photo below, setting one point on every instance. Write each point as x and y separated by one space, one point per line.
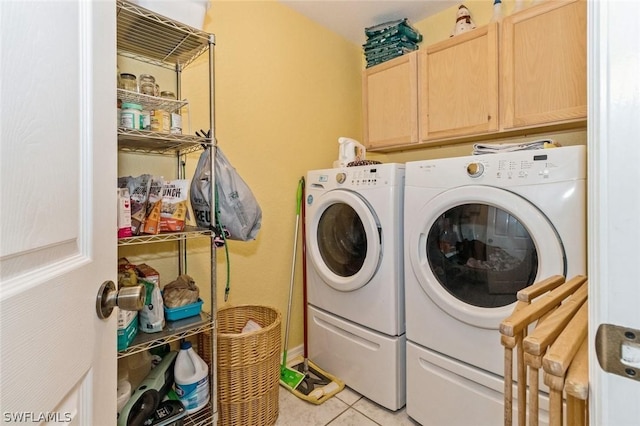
191 375
349 150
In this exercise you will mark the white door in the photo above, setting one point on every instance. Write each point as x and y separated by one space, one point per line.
614 196
57 211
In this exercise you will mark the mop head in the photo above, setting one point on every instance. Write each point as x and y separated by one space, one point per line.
290 378
317 385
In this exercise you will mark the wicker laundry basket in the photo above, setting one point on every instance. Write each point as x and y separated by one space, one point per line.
248 365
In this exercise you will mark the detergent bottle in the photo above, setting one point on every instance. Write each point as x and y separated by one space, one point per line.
191 375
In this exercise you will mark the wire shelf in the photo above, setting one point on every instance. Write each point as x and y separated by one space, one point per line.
201 418
151 102
148 37
147 142
173 331
188 233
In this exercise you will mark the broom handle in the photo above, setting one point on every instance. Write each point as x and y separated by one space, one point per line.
304 272
293 269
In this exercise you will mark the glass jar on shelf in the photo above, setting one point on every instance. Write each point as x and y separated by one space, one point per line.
176 118
128 82
147 84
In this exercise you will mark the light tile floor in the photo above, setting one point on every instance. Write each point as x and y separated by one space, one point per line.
347 408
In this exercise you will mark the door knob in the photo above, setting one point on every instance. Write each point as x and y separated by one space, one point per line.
129 298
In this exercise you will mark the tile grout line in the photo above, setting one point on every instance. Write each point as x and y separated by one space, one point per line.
351 407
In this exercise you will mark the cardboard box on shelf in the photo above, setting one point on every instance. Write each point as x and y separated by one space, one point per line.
148 273
127 328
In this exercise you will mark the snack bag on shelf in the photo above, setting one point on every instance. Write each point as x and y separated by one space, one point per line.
175 209
154 206
124 213
139 193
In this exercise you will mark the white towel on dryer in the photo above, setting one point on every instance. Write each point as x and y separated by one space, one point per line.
492 148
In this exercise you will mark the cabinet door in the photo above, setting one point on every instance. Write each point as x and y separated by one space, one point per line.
458 83
390 102
544 65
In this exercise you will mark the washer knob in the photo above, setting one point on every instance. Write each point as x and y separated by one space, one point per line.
475 169
341 177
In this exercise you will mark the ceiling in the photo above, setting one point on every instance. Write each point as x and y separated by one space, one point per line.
349 18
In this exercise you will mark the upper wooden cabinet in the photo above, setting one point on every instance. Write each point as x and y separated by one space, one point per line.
458 85
390 102
544 65
526 75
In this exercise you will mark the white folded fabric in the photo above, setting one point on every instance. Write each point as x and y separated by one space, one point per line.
493 148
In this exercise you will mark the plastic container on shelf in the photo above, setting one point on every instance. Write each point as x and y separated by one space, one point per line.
123 393
130 115
145 119
136 366
186 311
189 12
160 121
176 123
191 375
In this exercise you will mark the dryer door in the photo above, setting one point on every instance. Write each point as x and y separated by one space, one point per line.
474 247
344 240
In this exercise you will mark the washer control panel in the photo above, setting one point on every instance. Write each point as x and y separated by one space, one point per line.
536 167
360 176
357 177
503 169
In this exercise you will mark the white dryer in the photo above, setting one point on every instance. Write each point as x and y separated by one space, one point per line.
477 230
355 283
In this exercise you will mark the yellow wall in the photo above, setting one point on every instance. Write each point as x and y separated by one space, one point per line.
286 89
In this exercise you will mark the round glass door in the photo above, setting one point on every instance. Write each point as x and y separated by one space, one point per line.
344 240
473 248
481 254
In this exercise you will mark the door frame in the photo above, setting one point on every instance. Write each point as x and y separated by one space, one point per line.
613 42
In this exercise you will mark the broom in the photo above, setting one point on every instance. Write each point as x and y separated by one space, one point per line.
290 378
317 385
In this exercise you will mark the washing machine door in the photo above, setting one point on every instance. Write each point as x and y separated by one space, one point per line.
472 248
344 240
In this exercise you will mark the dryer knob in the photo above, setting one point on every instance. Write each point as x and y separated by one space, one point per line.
341 177
475 170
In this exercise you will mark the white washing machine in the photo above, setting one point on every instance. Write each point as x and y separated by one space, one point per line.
355 282
477 230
